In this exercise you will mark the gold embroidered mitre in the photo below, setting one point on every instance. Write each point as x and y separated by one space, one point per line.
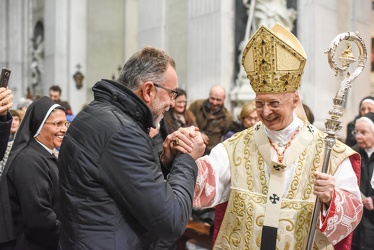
274 60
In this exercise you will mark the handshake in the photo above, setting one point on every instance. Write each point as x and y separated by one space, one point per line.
186 141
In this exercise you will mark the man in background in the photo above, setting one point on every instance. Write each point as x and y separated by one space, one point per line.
55 95
212 117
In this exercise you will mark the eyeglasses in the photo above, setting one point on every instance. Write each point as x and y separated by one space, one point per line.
358 132
181 102
173 93
273 104
59 124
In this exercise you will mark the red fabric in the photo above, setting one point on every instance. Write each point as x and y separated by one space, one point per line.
346 243
205 188
218 217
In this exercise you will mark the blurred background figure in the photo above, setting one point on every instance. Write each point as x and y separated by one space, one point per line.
178 116
308 113
16 120
211 116
23 104
55 95
15 123
366 106
29 187
364 133
247 118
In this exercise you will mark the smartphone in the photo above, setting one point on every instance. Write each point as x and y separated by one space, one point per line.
4 77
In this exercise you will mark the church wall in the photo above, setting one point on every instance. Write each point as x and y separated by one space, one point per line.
152 24
105 41
319 22
211 53
130 28
177 38
14 44
56 47
199 35
77 55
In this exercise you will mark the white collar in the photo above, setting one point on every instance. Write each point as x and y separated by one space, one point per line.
284 135
369 151
44 146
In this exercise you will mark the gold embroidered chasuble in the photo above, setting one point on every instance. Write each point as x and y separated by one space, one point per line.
250 153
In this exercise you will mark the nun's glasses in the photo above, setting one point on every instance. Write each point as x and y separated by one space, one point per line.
59 124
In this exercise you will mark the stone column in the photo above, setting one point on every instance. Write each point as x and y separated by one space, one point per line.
65 48
57 46
210 53
77 60
152 25
14 44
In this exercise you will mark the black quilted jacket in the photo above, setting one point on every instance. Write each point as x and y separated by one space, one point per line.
113 194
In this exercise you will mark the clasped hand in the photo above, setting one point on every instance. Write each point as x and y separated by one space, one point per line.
324 186
184 140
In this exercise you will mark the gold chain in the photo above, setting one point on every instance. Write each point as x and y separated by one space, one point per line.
281 156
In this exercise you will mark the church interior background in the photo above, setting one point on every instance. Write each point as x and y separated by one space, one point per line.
75 43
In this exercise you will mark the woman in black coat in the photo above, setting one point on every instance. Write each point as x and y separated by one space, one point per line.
29 187
363 236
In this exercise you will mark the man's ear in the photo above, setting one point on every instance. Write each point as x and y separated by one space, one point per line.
146 93
296 99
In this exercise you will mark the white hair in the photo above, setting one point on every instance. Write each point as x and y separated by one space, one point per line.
367 120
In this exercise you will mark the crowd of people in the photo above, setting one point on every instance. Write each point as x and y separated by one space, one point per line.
129 169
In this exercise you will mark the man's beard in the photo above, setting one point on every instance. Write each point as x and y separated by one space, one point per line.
158 111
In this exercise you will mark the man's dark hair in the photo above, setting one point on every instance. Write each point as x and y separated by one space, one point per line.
55 88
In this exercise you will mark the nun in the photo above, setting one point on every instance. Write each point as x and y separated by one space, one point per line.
29 186
364 133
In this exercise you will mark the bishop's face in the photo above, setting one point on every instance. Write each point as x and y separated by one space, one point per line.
276 110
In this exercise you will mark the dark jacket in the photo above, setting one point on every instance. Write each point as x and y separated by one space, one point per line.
34 199
212 124
5 125
363 236
113 193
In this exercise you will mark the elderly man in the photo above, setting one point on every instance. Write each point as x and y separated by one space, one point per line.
212 117
270 173
113 193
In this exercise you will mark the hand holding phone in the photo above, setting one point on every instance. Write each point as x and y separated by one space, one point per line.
4 77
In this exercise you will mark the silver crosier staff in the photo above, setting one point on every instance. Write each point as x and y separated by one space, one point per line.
333 125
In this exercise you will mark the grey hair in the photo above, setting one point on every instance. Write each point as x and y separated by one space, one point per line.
148 64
